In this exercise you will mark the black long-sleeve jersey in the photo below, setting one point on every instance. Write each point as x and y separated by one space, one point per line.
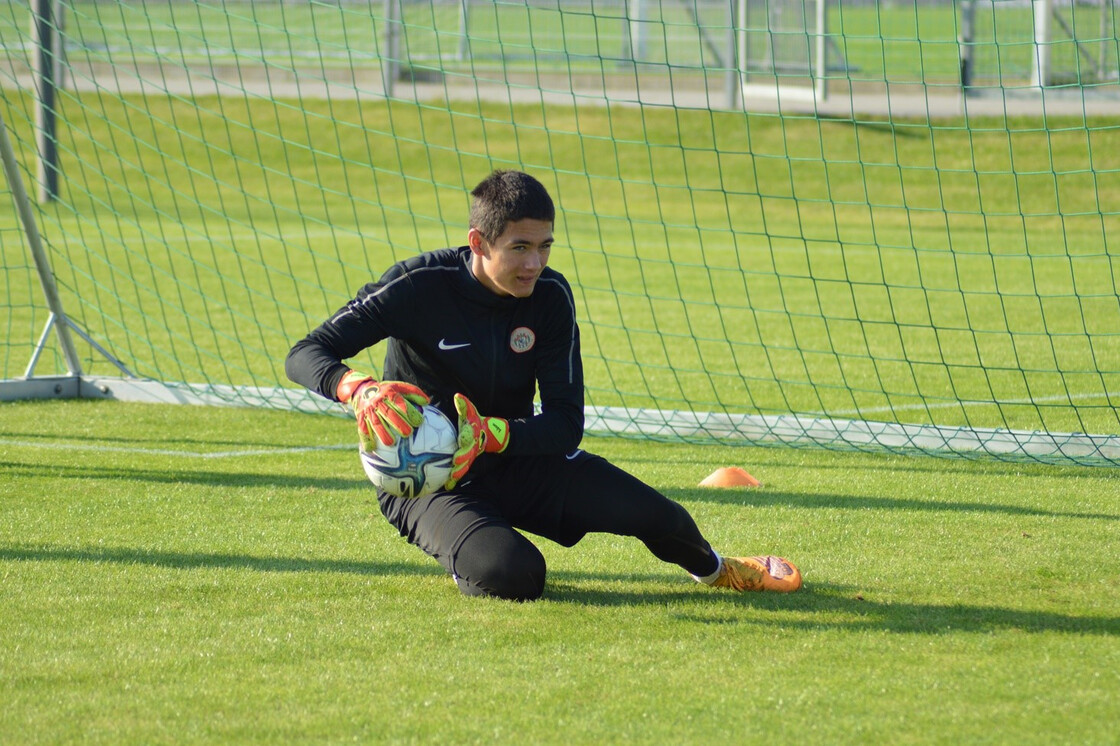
449 334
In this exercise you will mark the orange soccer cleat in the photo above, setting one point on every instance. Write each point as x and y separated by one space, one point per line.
767 573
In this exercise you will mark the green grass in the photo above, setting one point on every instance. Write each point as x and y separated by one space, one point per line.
187 575
176 575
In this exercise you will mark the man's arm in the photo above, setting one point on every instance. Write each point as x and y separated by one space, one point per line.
315 362
386 410
315 366
557 429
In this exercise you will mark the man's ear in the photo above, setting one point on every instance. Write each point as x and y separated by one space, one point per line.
476 242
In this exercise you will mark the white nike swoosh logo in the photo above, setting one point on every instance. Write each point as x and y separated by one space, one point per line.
443 345
574 454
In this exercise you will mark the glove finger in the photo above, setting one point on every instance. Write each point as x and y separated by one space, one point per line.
398 408
465 407
405 388
456 475
470 424
391 419
365 441
368 428
401 395
413 413
467 452
363 426
419 398
383 433
468 436
461 463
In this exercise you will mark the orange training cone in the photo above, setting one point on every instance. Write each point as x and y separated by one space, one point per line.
730 476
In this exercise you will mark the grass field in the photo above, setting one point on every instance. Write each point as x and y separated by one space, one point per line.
188 575
203 575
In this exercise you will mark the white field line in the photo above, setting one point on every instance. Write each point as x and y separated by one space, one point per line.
55 445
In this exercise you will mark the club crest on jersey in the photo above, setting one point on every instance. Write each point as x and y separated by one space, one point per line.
522 339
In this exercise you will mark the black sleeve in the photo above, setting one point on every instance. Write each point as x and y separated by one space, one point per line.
316 360
312 364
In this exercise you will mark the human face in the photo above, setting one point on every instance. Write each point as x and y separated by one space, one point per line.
511 264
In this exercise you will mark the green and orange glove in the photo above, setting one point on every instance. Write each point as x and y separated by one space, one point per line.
477 435
387 410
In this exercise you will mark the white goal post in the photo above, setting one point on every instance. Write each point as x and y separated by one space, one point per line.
1046 16
783 48
1038 44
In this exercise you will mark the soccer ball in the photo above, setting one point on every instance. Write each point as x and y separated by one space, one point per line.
418 465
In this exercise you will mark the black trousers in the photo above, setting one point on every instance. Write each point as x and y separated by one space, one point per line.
471 529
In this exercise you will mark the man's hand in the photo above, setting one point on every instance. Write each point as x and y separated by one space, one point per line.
477 435
387 409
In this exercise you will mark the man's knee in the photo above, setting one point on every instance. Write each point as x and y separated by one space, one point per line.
502 564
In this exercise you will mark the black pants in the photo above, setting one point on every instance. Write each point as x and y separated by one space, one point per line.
470 530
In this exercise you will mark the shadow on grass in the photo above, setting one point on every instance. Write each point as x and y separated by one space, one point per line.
219 478
885 127
761 498
200 560
757 458
830 607
178 439
744 497
814 607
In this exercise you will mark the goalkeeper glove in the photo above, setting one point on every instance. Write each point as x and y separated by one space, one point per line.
477 435
388 409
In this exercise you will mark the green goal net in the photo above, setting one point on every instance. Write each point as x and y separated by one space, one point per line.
879 263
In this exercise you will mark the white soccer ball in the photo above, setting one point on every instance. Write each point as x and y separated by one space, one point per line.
418 465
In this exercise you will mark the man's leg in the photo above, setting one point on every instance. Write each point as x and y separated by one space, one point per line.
594 495
603 498
564 498
473 541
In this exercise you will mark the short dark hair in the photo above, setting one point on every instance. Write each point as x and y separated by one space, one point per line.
505 197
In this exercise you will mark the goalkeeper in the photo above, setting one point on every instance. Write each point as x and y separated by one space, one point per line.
478 331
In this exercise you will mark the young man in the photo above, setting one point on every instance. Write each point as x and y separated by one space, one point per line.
480 329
